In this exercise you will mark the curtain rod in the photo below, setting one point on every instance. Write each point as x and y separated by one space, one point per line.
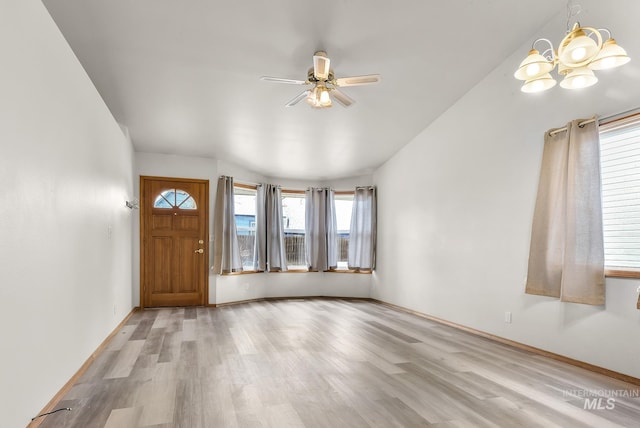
249 185
603 121
564 128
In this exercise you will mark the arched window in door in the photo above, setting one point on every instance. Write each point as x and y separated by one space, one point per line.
175 198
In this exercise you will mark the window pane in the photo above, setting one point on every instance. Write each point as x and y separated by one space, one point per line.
173 198
620 166
181 195
293 213
344 204
188 204
245 216
170 196
161 202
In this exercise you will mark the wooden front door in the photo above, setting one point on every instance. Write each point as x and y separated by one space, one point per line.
174 241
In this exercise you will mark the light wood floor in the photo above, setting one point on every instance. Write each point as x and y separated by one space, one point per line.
328 363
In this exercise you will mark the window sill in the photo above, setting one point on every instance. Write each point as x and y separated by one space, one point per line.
364 272
251 272
244 272
619 273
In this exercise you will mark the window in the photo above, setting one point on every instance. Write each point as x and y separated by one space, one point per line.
293 220
293 217
620 166
244 198
175 198
344 204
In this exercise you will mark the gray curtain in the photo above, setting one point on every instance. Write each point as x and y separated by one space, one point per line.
226 250
362 235
566 257
270 252
320 229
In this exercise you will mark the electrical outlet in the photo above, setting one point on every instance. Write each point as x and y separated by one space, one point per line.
507 317
109 231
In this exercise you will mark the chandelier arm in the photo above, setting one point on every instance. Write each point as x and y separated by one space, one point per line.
600 30
549 55
550 49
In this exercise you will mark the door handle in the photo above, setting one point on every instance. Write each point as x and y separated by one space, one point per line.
199 250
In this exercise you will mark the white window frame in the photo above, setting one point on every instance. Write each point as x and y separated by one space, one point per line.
620 169
288 193
343 195
244 189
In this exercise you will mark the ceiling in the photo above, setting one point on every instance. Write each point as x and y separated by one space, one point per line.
183 75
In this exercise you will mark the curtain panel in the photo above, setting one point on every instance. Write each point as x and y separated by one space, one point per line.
566 258
320 229
362 235
226 249
270 254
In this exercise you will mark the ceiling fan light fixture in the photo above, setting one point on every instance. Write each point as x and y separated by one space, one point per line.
319 97
325 99
312 97
321 81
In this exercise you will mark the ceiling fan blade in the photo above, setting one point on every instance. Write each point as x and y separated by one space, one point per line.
342 98
358 80
298 98
321 65
281 80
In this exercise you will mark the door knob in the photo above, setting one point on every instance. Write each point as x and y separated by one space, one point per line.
199 250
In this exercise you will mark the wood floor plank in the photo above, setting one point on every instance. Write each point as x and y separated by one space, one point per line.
120 418
327 363
126 359
142 330
157 399
120 339
189 329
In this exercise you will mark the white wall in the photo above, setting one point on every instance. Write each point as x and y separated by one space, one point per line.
233 288
65 246
159 165
456 205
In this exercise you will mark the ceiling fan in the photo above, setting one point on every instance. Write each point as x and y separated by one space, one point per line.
324 85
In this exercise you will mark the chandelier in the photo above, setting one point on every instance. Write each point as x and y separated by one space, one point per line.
580 52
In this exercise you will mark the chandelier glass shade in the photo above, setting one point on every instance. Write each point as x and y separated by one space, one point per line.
580 52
